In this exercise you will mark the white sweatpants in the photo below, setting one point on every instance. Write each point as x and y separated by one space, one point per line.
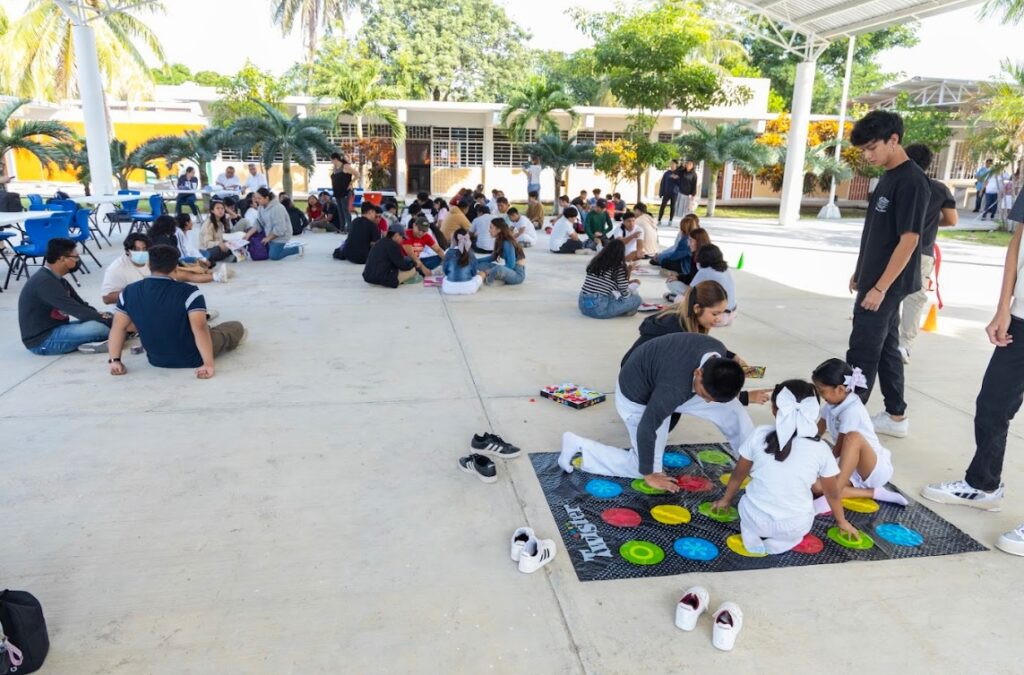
759 530
606 460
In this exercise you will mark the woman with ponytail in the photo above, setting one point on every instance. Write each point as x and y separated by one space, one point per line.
461 275
784 461
865 465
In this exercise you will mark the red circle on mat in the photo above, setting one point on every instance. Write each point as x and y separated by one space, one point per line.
693 483
810 545
621 517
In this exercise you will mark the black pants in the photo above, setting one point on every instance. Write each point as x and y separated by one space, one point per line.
979 195
570 246
874 348
670 200
477 249
346 215
1000 398
186 201
991 204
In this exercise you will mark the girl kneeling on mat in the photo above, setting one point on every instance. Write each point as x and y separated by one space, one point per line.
460 266
783 462
865 465
607 291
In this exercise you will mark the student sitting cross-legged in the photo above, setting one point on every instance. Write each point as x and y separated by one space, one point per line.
460 267
685 373
170 317
512 269
387 265
607 291
564 238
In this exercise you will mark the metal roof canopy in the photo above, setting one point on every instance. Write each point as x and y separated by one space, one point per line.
806 28
931 92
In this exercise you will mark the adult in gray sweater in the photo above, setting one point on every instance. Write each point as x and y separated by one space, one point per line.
276 225
686 373
48 302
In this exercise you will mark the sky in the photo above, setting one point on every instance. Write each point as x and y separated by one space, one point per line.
208 35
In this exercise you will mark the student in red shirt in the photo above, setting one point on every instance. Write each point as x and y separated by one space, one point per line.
315 213
421 246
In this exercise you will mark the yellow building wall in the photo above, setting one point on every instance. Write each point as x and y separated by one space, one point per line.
134 134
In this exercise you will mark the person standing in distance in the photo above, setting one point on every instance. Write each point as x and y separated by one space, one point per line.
341 183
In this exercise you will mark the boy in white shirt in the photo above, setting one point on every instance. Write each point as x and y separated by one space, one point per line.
483 242
630 235
563 233
526 233
256 180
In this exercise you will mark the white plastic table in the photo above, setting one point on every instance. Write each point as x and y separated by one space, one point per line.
110 199
18 217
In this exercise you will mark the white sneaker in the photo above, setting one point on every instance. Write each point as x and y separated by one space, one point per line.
885 424
961 493
1012 542
93 347
519 539
536 553
904 354
728 624
220 273
212 314
693 603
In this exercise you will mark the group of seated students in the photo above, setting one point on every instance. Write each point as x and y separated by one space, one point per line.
150 302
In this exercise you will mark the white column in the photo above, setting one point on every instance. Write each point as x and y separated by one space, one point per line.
796 152
401 161
489 121
831 209
93 112
729 170
947 170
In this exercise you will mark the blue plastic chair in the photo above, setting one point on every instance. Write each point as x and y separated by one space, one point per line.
142 221
5 243
62 205
125 214
35 203
81 233
39 232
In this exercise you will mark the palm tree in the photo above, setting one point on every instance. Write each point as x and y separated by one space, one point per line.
719 145
559 154
28 135
357 91
46 67
278 137
315 18
73 157
532 105
198 147
123 163
1012 11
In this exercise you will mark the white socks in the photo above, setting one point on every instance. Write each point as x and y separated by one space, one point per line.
883 494
570 448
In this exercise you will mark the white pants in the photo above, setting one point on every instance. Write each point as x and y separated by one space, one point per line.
914 304
759 530
461 287
606 460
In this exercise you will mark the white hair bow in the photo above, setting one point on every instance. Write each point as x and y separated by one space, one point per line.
851 382
795 418
462 242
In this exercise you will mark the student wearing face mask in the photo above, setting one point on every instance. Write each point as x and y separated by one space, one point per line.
127 269
48 303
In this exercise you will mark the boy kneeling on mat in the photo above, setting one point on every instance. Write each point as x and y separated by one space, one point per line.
684 373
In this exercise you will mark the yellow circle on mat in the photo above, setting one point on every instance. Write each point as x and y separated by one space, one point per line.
860 505
577 462
735 544
670 514
726 476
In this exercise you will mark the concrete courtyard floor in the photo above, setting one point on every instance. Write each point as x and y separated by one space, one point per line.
302 512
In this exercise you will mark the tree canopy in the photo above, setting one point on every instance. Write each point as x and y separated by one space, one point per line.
240 94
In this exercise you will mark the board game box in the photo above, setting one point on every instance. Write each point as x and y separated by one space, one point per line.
572 395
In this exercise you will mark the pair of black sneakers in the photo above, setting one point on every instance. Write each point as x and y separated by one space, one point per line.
482 448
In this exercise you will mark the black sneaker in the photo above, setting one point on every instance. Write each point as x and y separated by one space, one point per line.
493 445
481 466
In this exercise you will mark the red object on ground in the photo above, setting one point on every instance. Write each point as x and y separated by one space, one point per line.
810 545
938 265
693 483
621 517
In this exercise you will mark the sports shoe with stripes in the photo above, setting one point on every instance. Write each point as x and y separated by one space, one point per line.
480 466
961 493
536 553
493 445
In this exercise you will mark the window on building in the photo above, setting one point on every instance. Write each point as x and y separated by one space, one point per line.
456 147
964 165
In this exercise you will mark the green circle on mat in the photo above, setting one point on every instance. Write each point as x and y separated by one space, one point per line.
640 486
841 538
641 552
714 457
728 516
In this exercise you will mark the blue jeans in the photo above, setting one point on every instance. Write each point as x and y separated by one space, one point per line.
496 272
991 201
606 307
186 200
278 251
67 338
431 263
533 187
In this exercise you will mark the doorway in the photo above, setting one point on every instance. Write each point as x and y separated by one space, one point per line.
418 162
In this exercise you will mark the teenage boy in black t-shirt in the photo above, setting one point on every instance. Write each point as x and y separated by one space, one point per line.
888 265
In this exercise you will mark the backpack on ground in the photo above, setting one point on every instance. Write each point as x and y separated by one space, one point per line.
23 639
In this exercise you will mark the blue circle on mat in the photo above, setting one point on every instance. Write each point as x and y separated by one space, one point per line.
675 460
894 533
695 548
603 489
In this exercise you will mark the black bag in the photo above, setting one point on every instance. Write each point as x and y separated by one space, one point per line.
339 253
24 648
10 202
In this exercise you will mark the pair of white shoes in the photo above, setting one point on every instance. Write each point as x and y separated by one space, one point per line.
728 618
530 552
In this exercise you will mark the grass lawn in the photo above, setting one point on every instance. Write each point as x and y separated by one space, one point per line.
772 212
994 238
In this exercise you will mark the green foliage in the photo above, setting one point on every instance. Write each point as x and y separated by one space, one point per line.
240 96
171 73
314 18
209 78
531 105
653 58
929 126
717 146
198 147
558 155
576 74
72 156
1009 11
447 51
36 137
273 134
